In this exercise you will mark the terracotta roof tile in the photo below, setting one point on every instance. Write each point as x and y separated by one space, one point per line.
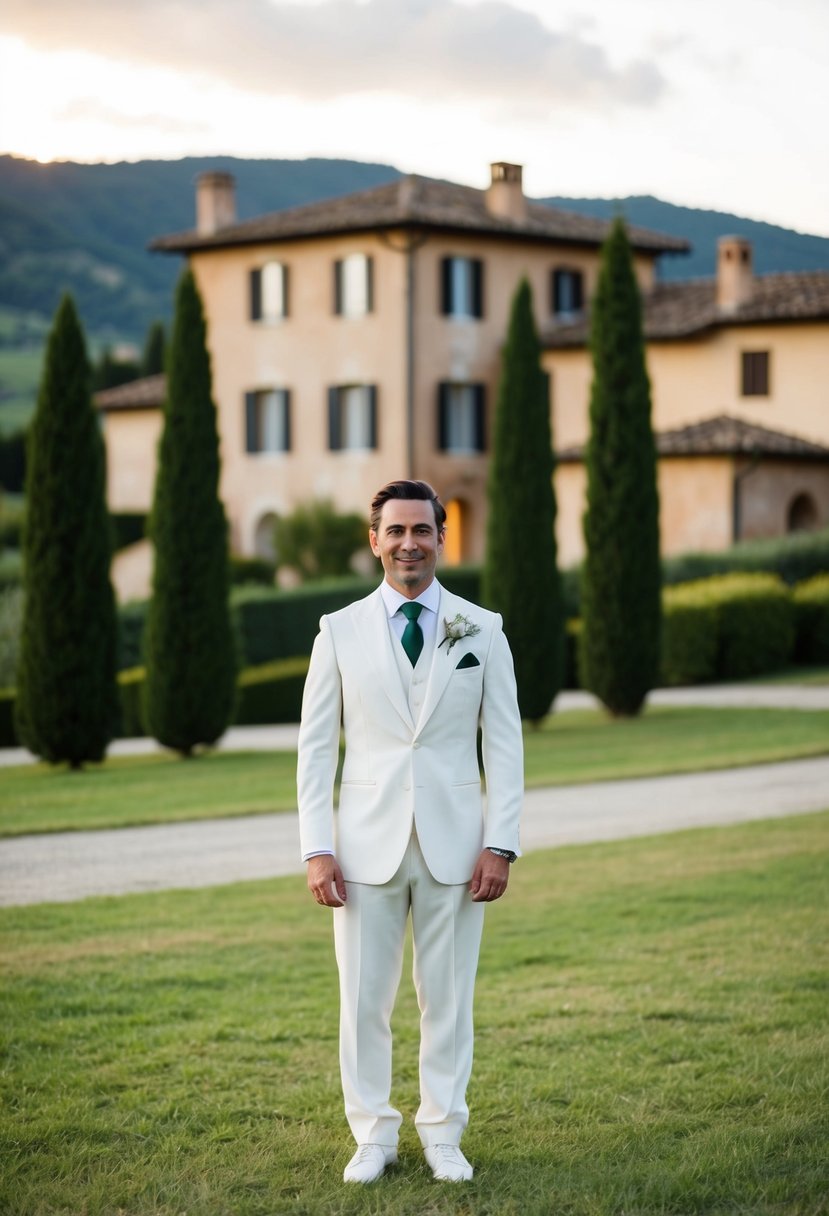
684 310
421 202
144 394
723 436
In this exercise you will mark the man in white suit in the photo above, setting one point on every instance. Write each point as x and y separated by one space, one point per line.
410 671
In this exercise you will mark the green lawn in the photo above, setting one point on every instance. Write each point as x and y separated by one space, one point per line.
651 1039
570 748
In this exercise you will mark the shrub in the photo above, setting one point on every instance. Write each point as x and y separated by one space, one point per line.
130 682
277 624
754 622
572 653
811 608
319 542
128 527
11 626
8 733
271 692
793 558
132 619
245 570
689 635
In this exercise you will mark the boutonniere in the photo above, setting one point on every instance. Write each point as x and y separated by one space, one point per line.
459 627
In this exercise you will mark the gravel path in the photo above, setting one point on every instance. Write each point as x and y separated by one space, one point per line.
67 866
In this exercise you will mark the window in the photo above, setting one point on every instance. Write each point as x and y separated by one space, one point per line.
567 292
353 286
462 287
352 418
269 292
755 373
268 420
461 417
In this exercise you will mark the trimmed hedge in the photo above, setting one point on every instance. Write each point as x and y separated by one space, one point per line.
727 627
689 636
811 609
795 557
257 570
8 735
267 694
271 693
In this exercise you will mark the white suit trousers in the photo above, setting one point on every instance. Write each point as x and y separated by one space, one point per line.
369 933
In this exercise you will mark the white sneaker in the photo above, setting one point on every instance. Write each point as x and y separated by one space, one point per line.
448 1163
369 1163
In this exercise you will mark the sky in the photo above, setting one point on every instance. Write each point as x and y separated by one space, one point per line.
720 104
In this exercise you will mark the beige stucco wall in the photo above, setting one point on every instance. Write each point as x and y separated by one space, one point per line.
695 506
313 349
699 379
694 380
131 439
306 352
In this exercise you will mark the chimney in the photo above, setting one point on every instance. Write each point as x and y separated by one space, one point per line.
505 196
735 273
215 202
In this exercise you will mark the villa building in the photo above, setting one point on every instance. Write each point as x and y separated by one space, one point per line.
359 339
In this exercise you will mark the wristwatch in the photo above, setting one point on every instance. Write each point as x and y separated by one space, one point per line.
508 853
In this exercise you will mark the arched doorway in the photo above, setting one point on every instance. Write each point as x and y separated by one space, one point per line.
456 522
263 538
802 514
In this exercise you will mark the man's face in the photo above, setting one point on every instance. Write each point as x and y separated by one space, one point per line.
408 543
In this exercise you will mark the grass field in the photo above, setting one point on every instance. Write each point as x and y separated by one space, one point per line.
651 1039
571 748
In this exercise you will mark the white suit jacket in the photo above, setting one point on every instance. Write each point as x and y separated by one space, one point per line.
397 773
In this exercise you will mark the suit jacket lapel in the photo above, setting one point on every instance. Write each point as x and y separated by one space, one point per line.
443 663
374 640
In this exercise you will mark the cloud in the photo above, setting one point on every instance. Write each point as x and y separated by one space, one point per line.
90 109
490 52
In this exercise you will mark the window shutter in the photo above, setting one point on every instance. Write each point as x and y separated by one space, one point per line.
480 417
256 295
338 288
286 283
477 287
446 286
335 441
372 416
286 397
556 292
369 284
578 291
251 436
443 416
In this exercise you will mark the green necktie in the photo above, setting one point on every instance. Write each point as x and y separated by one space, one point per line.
412 635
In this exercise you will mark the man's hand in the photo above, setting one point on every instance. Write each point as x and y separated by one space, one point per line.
490 878
326 882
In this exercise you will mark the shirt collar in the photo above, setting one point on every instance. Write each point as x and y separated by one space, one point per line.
430 598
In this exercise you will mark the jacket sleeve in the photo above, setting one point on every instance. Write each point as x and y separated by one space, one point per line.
319 742
502 746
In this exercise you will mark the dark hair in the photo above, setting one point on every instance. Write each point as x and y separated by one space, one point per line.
420 490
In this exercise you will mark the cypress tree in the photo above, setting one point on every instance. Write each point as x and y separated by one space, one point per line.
67 700
621 576
190 654
521 579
